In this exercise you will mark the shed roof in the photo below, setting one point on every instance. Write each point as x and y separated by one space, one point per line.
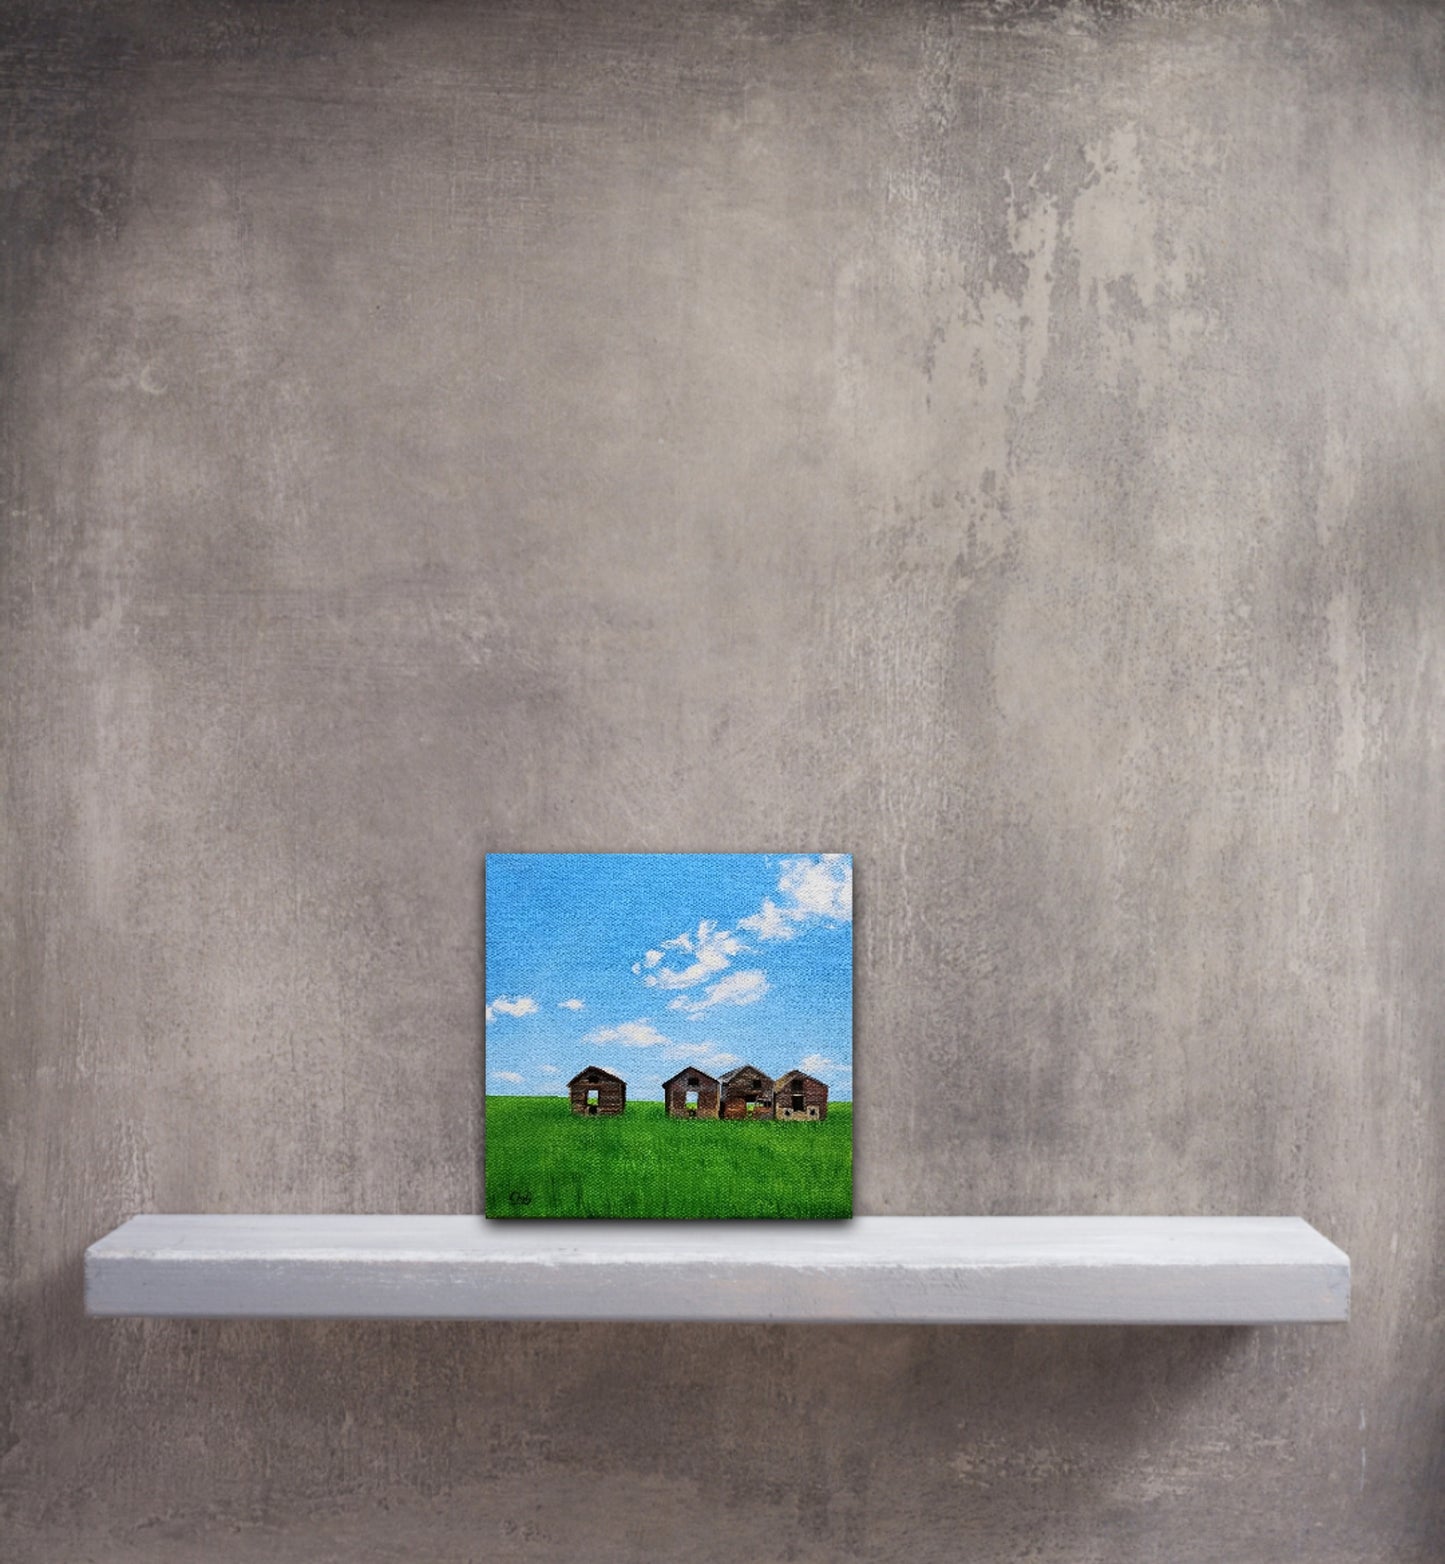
800 1075
691 1069
743 1069
595 1069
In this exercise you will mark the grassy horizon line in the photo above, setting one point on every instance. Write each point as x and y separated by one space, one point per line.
631 1097
543 1159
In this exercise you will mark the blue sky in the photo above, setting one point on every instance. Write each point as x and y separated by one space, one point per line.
646 962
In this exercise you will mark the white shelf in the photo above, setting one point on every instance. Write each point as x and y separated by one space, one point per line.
944 1270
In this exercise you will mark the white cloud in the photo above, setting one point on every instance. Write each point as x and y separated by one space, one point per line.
570 1004
508 1075
737 988
810 888
711 948
633 1034
549 1069
512 1007
837 1075
770 921
706 1055
820 887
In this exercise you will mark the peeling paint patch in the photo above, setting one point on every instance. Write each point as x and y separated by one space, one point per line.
1132 280
1034 236
1358 715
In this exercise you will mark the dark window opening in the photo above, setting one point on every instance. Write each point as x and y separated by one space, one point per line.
797 1100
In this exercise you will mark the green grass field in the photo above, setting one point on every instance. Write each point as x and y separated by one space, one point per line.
544 1160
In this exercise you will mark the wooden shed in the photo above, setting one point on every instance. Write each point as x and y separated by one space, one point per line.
746 1094
691 1094
799 1096
595 1090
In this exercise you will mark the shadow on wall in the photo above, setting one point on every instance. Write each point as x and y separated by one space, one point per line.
495 1421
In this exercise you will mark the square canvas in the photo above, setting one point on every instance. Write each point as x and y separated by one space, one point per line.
669 1035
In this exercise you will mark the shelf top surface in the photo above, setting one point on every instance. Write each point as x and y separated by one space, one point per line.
864 1241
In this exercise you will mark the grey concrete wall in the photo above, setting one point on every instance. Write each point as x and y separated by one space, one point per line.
1003 441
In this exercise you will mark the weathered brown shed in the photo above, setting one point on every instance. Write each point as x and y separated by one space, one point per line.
746 1094
595 1090
691 1094
799 1096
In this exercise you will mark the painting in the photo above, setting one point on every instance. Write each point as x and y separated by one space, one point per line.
669 1035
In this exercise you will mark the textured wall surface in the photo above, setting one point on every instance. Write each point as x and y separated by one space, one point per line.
1006 442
